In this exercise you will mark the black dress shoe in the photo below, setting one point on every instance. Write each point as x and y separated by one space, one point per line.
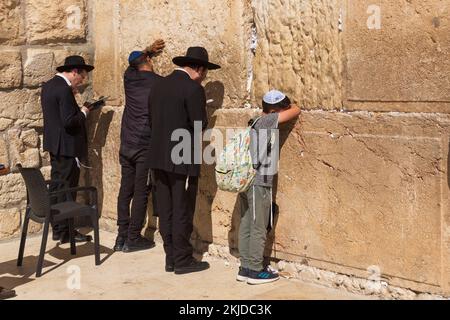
194 266
170 268
120 242
6 293
138 244
78 237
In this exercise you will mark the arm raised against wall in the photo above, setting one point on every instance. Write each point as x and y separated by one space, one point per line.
289 114
156 48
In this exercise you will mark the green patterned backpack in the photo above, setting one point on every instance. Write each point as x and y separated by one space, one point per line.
234 167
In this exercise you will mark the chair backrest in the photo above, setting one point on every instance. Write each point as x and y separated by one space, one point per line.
37 191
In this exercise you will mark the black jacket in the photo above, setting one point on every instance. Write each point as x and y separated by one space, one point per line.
64 123
175 103
135 131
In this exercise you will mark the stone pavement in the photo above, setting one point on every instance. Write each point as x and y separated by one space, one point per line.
138 275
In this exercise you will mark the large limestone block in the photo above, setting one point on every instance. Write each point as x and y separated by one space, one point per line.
9 223
30 138
53 22
5 123
11 23
23 148
10 69
299 51
397 51
38 67
21 106
13 191
220 26
11 103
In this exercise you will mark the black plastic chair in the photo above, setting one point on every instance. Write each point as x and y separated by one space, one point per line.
40 210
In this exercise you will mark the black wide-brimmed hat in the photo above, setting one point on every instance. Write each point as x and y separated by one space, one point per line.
74 62
195 55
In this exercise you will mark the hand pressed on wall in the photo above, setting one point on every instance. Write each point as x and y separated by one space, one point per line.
156 48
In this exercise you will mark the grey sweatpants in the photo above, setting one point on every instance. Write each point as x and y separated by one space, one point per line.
255 205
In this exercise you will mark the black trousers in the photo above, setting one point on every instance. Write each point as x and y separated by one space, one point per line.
66 169
175 206
134 189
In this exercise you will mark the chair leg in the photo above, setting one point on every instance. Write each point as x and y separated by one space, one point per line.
23 237
94 219
43 245
73 248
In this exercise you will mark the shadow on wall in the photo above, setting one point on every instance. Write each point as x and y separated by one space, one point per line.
233 234
98 127
202 235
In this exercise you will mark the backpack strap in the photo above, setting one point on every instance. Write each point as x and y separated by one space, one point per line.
252 122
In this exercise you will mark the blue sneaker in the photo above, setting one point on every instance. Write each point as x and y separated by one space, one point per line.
242 274
264 276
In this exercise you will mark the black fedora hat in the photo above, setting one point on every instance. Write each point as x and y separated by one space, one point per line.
74 62
195 55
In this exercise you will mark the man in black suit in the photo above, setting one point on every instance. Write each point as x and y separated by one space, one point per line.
65 132
178 102
135 137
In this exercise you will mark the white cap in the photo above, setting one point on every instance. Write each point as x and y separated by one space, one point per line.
273 97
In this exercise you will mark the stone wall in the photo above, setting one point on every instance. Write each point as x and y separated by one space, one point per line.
35 37
363 173
363 181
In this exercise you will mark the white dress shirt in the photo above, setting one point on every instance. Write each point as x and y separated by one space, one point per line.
70 85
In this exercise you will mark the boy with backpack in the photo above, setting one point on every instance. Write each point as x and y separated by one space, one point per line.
256 201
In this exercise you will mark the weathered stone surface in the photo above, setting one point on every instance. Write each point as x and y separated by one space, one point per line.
405 60
22 107
38 67
10 69
4 157
218 26
5 123
30 138
13 191
20 150
9 223
50 22
299 51
13 103
11 23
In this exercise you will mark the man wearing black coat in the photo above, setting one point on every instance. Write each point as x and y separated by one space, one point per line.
65 131
135 137
178 105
